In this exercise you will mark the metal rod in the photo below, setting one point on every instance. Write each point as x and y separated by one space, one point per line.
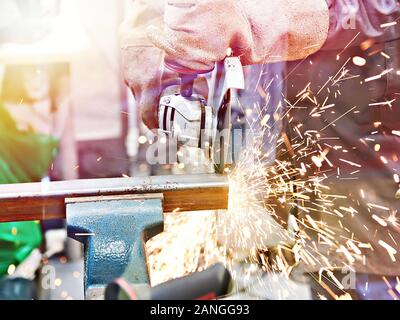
46 200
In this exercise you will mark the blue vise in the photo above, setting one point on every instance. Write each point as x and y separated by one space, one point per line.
114 230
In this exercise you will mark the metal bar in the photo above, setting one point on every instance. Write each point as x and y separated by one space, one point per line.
46 200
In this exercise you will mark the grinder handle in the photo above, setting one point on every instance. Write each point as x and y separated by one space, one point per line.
187 83
187 76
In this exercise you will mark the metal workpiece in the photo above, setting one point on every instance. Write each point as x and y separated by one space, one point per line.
114 230
46 200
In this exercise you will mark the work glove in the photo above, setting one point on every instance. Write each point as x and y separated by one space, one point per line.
143 76
196 34
142 62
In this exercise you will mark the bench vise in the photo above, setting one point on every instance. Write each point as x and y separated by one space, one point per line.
113 218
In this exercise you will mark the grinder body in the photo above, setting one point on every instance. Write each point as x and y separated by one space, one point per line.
193 122
188 119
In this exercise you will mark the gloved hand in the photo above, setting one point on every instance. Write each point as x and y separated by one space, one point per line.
143 62
198 33
142 72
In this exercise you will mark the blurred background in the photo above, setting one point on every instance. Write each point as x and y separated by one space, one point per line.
60 78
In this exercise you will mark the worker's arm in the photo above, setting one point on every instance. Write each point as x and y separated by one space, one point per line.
198 33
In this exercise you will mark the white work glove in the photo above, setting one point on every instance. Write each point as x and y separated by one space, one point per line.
198 33
142 74
142 62
146 76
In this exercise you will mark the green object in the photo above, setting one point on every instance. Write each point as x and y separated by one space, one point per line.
24 157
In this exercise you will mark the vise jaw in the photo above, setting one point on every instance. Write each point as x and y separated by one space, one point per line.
114 230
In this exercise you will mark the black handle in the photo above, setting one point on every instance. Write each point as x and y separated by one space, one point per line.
206 285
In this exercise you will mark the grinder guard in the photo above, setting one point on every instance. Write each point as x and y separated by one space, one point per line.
193 122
